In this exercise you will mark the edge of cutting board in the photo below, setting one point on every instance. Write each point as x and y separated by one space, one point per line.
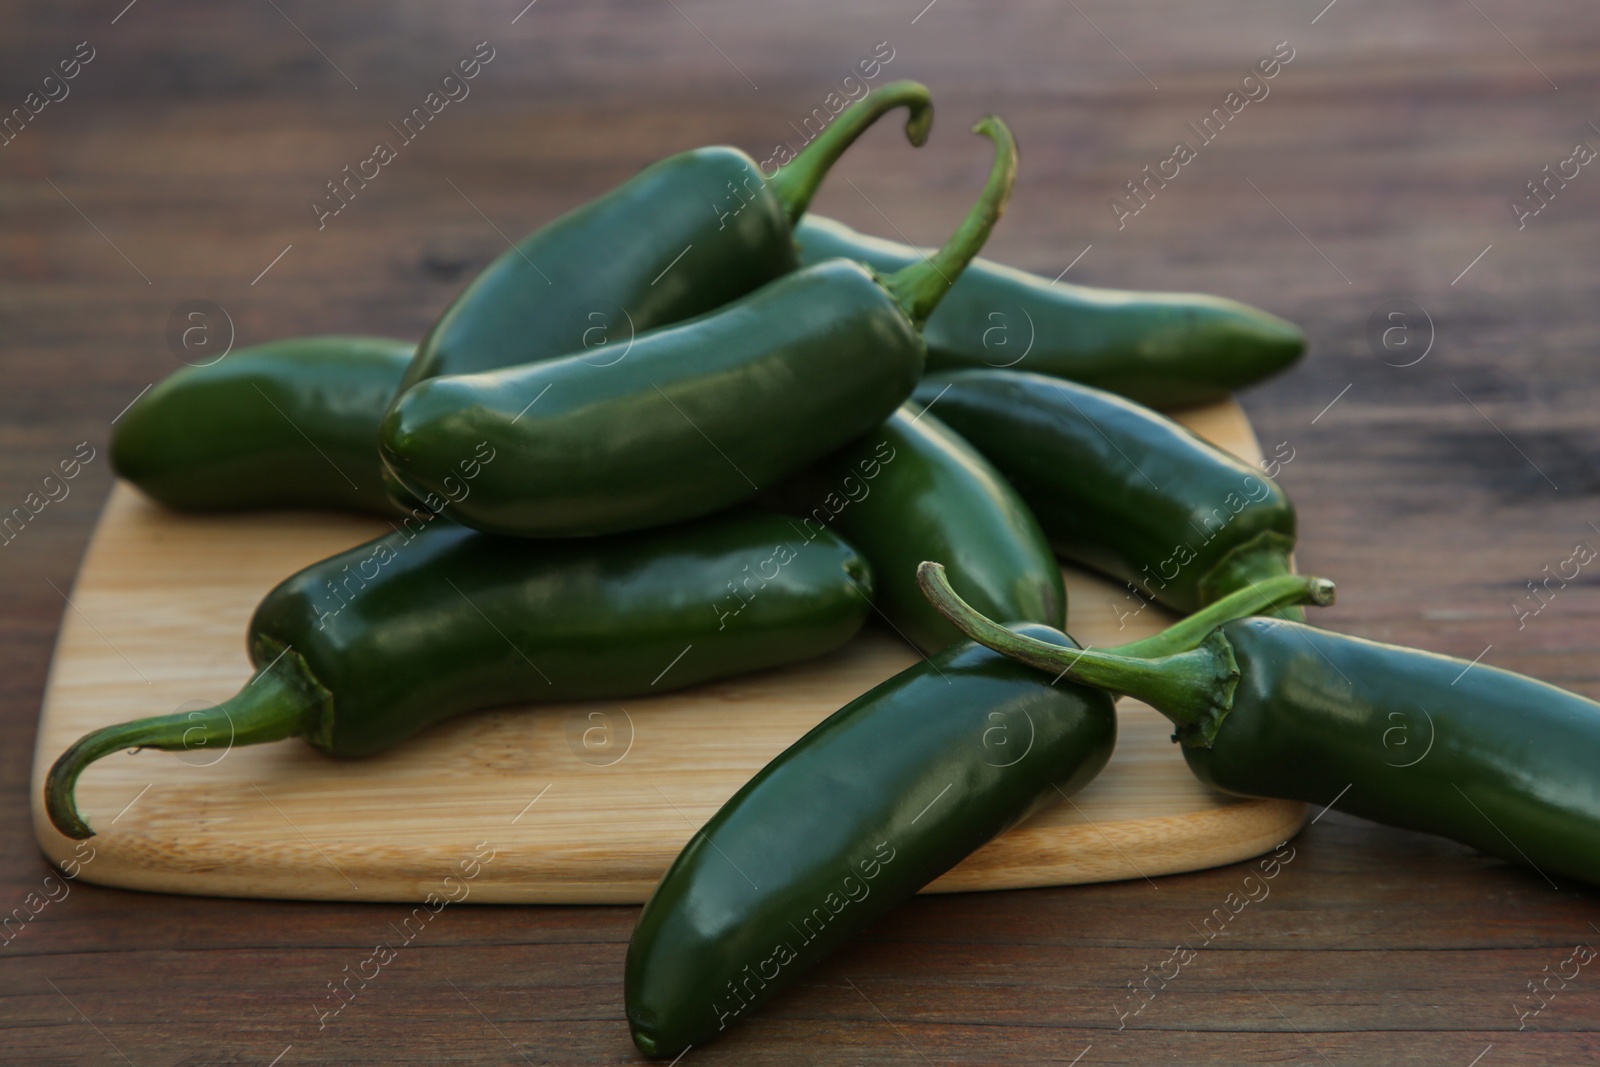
564 825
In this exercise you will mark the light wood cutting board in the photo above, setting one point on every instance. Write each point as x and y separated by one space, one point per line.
581 803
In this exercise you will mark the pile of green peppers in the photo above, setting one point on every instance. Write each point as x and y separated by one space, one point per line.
799 429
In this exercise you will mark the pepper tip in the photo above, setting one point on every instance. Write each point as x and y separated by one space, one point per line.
650 1046
60 796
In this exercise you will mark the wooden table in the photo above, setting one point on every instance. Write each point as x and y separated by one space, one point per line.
182 165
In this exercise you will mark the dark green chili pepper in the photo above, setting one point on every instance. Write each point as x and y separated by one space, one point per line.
1120 488
1265 707
683 236
362 650
693 417
877 801
289 423
913 490
680 238
884 796
1163 349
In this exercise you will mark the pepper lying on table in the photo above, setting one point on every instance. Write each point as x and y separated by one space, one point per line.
1270 708
1167 350
630 249
678 239
874 803
360 651
286 424
697 416
913 490
1121 488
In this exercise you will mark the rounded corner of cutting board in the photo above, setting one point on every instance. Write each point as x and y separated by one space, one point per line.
173 593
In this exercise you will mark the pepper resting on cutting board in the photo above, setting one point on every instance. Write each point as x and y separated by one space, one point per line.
913 490
1266 707
877 801
290 423
693 417
362 650
1163 349
1120 488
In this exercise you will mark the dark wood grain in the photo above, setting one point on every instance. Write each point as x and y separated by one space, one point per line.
199 133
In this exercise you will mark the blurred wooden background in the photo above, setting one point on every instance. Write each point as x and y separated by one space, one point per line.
180 165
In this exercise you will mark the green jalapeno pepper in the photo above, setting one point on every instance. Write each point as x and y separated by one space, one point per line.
1163 349
289 423
1265 707
363 649
913 490
683 236
877 801
693 417
881 798
1120 488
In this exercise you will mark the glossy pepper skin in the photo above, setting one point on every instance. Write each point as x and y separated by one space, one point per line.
851 820
287 424
612 267
362 650
871 805
690 418
913 490
1121 488
1267 707
1495 760
1166 350
683 236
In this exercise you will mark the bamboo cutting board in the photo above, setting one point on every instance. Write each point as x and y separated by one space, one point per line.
580 803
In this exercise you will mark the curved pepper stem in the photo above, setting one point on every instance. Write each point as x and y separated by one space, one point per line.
1262 557
919 287
269 708
796 182
1269 596
1194 689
